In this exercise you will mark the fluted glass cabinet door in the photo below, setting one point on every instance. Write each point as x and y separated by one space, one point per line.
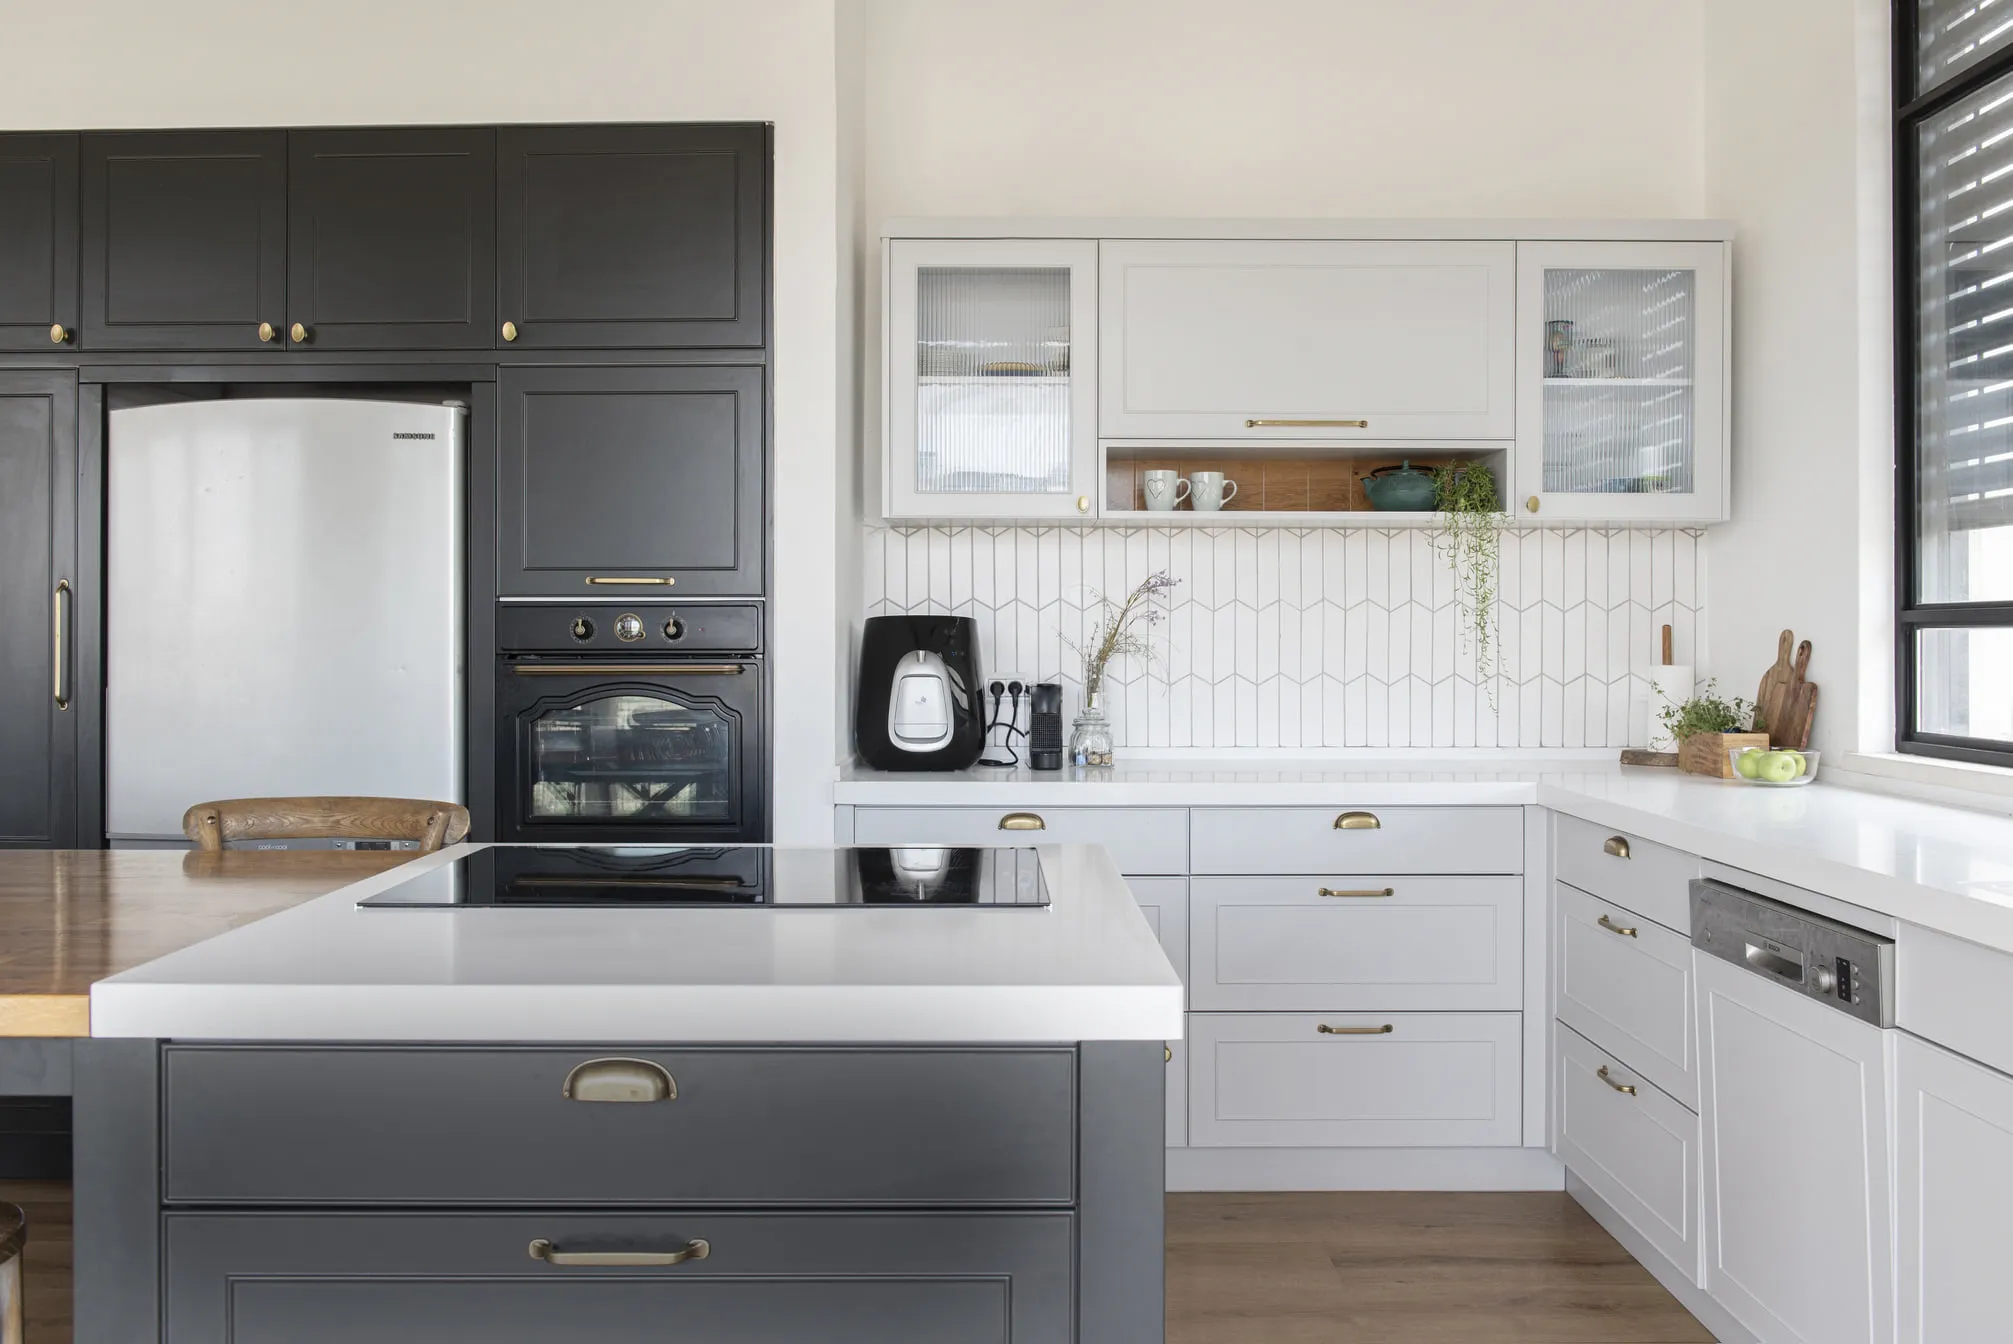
991 378
1621 368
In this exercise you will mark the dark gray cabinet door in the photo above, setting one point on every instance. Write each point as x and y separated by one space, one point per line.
38 241
611 481
633 236
446 1278
38 607
184 239
391 238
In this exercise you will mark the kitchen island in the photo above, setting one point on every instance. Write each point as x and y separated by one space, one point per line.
526 1117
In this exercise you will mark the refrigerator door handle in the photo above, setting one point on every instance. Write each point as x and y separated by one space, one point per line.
59 659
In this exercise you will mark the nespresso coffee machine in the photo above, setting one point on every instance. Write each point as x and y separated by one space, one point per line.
918 705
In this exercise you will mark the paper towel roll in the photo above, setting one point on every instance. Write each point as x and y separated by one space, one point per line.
1670 684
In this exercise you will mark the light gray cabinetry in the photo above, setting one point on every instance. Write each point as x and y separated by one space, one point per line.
1245 840
1164 902
1142 841
1954 1182
1633 1144
1625 983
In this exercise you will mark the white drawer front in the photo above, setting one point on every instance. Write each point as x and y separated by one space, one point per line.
1639 1151
1955 993
1640 875
1309 944
1626 984
1144 840
1164 902
1432 1080
1321 840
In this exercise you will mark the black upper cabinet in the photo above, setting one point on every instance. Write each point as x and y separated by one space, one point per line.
391 238
185 244
612 481
632 236
38 241
39 636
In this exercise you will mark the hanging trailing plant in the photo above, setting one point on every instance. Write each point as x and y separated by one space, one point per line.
1472 515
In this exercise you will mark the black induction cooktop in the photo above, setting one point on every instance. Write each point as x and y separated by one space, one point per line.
725 876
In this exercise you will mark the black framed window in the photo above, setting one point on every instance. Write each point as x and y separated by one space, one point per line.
1953 78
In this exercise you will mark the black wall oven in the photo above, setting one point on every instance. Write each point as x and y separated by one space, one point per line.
640 722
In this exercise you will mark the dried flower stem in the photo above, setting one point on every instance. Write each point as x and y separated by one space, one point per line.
1122 629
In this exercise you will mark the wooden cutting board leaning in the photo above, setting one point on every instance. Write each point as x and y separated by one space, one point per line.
1786 701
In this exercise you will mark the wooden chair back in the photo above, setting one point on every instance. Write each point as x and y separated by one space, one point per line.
432 824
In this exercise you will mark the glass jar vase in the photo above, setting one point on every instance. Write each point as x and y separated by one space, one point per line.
1090 735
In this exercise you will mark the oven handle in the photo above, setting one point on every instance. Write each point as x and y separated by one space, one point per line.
627 669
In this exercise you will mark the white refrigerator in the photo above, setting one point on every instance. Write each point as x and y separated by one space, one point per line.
283 605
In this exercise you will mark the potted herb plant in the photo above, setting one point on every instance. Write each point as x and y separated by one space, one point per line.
1707 727
1121 631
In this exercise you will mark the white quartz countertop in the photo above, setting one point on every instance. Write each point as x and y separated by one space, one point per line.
1944 868
1087 967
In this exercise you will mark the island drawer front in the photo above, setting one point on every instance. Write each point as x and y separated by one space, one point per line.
1235 840
1147 841
489 1125
1625 983
1432 1080
1311 944
273 1278
1164 902
1638 1150
1642 876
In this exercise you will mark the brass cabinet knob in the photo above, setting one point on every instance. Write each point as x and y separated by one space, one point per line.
1083 503
59 334
266 332
299 333
1532 504
510 331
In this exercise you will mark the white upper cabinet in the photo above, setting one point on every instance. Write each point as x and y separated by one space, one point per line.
991 360
1327 340
1621 382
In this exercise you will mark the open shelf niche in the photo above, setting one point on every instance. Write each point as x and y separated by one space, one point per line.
1283 484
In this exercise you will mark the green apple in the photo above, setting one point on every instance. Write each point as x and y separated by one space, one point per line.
1778 767
1748 764
1802 765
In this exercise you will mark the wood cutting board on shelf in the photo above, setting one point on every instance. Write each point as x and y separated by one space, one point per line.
1786 701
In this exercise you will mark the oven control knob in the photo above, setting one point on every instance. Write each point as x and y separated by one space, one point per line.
674 629
583 629
628 628
1823 979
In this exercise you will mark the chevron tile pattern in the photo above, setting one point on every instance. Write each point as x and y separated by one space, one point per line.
1300 638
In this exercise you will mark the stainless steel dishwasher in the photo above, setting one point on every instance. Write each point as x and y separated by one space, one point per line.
1796 1048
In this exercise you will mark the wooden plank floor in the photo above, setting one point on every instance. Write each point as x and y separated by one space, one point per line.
1383 1268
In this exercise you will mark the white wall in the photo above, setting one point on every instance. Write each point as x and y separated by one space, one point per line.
134 63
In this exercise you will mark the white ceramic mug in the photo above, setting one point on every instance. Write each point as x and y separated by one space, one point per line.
1209 491
1163 488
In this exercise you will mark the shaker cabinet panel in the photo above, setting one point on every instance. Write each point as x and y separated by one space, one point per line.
632 236
392 238
1164 902
1954 1175
1334 340
620 481
185 243
38 241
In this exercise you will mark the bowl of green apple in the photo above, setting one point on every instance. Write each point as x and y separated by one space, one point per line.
1778 768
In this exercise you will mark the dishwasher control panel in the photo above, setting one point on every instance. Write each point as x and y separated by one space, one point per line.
1850 969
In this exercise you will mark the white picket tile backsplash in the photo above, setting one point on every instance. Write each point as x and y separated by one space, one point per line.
1284 637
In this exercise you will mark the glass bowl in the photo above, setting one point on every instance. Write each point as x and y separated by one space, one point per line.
1805 776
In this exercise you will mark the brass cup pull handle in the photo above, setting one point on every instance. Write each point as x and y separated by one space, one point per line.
57 659
1326 1030
267 332
1616 845
620 1080
59 334
510 331
695 1249
1023 821
298 333
1626 1089
614 580
1358 821
1366 891
1307 424
1625 930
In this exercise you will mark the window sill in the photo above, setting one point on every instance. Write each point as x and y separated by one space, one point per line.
1959 783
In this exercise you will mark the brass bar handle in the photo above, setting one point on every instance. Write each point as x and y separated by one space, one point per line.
695 1249
616 581
1616 845
1625 930
619 1080
58 658
1626 1089
1023 821
624 669
1367 891
1358 821
1307 424
1326 1030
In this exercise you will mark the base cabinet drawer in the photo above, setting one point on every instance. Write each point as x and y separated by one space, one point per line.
1625 984
1323 840
1150 841
1380 942
1633 1144
850 1278
1639 875
775 1126
1164 902
1390 1080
